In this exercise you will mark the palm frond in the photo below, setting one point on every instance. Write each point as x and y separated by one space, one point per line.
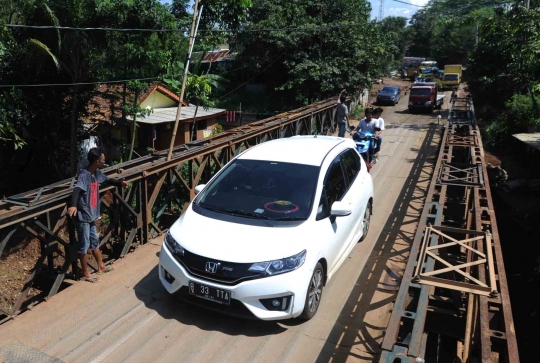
42 47
55 21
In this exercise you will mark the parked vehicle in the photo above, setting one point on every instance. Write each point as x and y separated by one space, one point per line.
365 144
426 74
270 229
389 94
423 95
411 64
428 67
452 76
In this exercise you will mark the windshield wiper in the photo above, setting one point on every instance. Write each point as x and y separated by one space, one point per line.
289 219
236 212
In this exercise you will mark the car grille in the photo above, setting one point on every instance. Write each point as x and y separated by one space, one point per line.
228 273
235 309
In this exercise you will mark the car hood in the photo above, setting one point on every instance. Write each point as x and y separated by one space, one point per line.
419 98
237 242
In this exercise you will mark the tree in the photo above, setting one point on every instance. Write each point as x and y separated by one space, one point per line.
43 114
302 66
506 59
199 86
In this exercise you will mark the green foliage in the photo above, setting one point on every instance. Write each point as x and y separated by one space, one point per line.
298 67
396 36
446 29
357 113
506 59
44 115
222 14
199 87
218 129
520 111
497 131
11 118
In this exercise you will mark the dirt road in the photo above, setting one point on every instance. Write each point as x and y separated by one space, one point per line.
129 316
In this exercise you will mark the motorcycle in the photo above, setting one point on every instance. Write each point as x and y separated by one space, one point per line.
365 144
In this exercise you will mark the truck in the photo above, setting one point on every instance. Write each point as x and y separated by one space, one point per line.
424 96
452 76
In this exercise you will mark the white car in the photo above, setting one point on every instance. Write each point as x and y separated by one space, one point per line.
270 229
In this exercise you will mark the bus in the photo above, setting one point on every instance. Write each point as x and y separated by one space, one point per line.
411 64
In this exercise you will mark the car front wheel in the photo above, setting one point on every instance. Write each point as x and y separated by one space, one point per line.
314 293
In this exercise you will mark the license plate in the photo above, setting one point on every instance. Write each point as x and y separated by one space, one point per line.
210 293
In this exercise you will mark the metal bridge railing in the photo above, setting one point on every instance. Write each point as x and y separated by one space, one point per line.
133 216
454 290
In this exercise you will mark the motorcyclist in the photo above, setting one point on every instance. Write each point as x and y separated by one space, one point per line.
366 124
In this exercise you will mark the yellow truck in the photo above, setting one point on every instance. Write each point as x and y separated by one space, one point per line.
452 76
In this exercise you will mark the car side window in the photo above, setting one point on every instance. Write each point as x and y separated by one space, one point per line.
334 189
351 165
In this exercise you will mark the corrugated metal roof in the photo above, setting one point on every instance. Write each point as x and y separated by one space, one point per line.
168 114
215 56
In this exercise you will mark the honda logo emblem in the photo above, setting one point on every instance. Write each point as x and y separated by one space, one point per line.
212 267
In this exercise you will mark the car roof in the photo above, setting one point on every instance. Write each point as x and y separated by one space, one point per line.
390 87
424 84
308 150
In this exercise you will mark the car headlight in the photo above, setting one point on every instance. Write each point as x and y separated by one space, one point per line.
428 103
173 245
283 265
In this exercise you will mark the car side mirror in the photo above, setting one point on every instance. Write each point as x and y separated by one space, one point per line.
340 209
198 188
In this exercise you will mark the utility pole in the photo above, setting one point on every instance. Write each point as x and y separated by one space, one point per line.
192 35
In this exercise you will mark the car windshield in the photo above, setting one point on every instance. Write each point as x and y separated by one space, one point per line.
420 92
262 189
451 77
389 90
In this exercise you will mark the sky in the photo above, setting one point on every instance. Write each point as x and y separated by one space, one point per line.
393 8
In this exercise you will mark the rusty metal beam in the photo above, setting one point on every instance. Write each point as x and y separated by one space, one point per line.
459 188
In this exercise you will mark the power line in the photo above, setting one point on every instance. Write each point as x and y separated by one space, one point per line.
411 4
78 84
337 26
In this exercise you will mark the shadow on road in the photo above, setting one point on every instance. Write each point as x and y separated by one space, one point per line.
155 297
357 338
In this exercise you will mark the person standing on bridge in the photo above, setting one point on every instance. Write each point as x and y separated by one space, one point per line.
85 203
342 114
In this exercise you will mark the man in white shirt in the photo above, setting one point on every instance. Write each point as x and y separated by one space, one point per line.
379 128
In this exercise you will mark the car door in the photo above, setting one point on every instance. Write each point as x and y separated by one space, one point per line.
332 230
356 199
355 196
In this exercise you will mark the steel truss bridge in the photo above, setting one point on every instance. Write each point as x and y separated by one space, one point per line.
452 292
